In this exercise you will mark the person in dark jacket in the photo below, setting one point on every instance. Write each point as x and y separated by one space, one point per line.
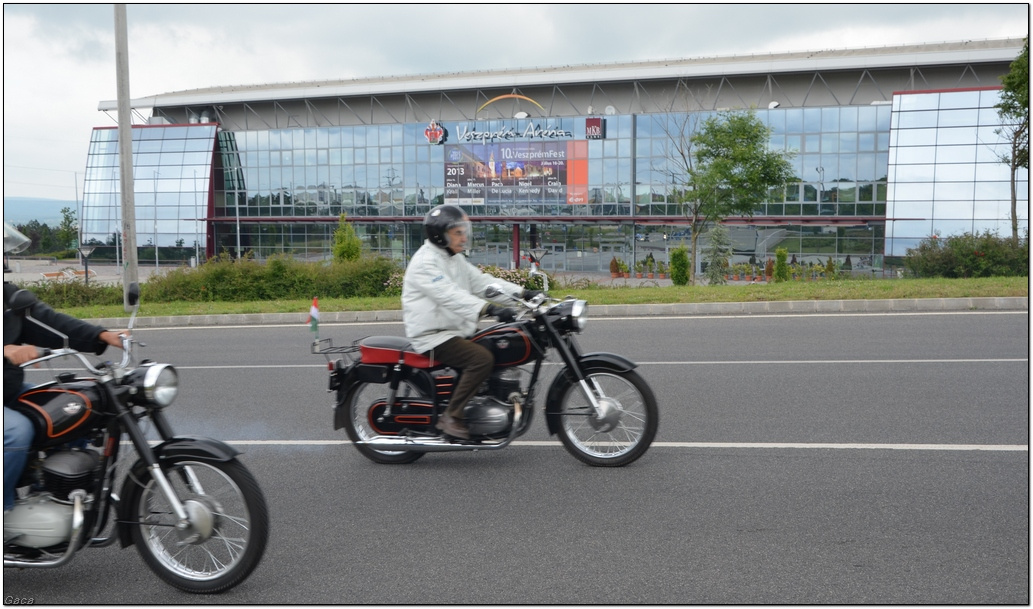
21 341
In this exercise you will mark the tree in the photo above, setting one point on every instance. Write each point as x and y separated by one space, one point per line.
721 169
1014 112
716 254
347 245
67 233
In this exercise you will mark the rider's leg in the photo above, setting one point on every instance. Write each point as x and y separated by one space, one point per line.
17 440
474 361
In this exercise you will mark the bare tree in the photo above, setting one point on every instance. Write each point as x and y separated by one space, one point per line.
1014 112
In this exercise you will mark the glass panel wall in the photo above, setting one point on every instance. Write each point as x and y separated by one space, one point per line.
172 167
946 174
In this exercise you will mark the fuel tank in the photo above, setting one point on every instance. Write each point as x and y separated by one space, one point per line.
510 344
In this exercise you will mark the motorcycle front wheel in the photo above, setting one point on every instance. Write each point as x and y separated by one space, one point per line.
622 431
229 525
358 402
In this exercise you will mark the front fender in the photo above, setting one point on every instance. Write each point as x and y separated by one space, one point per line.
563 379
191 447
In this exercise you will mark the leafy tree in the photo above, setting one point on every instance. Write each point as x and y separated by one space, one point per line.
722 168
347 245
717 252
67 233
1014 112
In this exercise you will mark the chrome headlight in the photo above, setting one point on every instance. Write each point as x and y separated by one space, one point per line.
579 314
161 384
569 315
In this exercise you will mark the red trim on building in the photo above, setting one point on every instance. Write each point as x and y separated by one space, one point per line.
641 221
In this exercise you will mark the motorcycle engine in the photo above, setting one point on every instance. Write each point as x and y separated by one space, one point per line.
65 471
492 412
504 385
43 518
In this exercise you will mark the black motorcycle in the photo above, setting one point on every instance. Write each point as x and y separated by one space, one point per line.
389 398
195 514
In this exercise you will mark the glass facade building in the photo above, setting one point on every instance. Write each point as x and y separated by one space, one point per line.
875 171
946 171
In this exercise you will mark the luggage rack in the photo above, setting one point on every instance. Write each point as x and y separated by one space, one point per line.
325 347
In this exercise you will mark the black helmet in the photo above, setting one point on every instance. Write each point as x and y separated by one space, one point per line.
440 220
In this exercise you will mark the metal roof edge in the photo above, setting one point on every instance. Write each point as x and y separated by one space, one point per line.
842 59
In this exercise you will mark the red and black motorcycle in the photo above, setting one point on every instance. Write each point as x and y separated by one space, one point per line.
389 398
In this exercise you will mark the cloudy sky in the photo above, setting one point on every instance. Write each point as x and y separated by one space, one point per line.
59 60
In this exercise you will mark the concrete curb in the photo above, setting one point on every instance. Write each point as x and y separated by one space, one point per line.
802 307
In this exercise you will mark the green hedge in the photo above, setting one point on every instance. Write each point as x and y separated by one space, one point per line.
224 280
969 255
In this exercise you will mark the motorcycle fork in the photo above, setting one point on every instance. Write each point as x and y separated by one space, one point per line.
147 456
570 355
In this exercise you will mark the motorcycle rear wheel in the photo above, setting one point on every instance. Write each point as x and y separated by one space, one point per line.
626 429
358 402
229 525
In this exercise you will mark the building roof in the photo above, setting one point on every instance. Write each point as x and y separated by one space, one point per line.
946 53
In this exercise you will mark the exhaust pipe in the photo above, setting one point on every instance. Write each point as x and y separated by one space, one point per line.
431 445
77 497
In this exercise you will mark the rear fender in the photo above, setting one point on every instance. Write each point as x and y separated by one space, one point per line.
563 379
192 447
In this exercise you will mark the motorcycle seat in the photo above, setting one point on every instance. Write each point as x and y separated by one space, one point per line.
393 350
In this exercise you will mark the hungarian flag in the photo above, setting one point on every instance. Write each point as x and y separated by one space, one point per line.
313 316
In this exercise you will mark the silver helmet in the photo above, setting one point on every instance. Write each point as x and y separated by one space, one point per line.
14 240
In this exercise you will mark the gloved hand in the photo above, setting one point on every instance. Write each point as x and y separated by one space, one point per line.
529 294
503 314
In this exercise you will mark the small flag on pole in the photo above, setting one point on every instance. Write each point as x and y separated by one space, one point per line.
313 316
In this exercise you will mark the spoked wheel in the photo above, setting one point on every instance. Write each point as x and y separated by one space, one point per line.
623 429
359 402
228 525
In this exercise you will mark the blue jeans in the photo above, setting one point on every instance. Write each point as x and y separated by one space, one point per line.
18 435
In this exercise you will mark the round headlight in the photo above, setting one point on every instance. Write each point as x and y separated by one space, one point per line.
579 313
161 384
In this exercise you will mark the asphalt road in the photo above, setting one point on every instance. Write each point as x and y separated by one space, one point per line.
800 459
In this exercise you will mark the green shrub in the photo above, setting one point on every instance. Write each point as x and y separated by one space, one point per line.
280 277
781 264
969 255
680 266
347 245
74 293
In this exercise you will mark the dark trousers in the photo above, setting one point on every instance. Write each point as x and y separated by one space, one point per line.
474 361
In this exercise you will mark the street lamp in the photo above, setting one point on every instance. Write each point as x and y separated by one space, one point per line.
85 251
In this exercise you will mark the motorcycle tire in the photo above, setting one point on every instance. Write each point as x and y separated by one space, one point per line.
229 524
625 431
357 402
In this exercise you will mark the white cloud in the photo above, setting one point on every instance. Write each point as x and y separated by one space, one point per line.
59 60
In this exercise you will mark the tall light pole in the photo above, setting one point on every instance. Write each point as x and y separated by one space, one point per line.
125 155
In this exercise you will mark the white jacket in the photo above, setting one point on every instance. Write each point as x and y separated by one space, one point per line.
442 297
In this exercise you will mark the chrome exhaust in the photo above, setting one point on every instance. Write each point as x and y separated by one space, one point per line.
77 497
